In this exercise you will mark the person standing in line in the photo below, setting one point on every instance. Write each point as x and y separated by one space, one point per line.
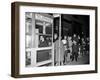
65 42
69 48
83 47
75 38
58 51
79 46
87 45
75 50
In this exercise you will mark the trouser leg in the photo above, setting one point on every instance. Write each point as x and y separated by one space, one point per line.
76 56
72 56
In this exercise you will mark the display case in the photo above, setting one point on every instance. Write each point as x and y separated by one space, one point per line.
39 38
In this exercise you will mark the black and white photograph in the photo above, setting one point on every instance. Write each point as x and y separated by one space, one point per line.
57 39
51 39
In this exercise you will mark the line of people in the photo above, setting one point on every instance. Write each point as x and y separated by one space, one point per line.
69 48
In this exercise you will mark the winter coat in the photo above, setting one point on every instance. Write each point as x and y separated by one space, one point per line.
58 51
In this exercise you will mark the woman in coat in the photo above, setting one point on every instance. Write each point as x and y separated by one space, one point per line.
58 51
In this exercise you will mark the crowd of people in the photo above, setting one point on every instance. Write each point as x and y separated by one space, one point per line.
70 48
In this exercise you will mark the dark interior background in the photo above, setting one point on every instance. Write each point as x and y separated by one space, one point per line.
73 24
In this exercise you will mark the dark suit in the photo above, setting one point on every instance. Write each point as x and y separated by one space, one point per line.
74 52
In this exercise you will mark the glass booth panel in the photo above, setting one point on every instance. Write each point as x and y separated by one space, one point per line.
43 30
43 55
45 41
38 39
28 29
